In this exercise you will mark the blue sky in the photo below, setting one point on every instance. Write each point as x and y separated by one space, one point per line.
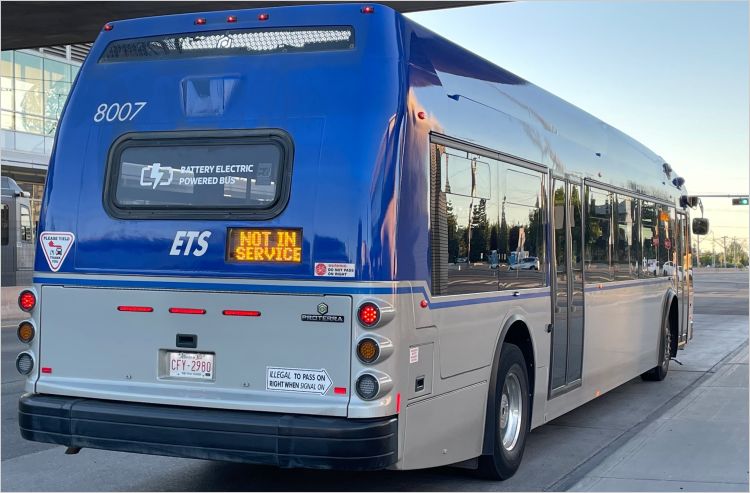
673 75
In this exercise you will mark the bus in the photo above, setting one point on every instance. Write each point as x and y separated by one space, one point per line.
267 236
17 234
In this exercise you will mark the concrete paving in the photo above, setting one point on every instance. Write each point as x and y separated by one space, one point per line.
700 444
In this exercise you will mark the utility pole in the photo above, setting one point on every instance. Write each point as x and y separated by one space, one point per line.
725 250
699 250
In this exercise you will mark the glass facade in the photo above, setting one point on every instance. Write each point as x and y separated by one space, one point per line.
34 90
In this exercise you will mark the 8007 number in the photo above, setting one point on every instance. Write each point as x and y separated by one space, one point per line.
116 111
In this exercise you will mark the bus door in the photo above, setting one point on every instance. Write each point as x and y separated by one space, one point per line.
683 273
567 286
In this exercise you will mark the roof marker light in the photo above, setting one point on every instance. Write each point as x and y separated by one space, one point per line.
423 304
368 9
232 18
421 115
263 17
188 311
241 313
131 308
200 21
108 26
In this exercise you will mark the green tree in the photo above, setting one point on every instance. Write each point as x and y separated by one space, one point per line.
480 231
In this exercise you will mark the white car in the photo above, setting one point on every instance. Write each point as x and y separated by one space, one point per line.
529 263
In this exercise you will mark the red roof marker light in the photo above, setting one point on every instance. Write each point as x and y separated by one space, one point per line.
232 18
263 17
108 26
368 9
200 21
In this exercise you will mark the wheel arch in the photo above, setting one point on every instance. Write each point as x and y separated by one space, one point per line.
516 331
671 314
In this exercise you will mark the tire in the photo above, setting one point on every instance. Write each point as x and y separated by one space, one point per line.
509 430
659 372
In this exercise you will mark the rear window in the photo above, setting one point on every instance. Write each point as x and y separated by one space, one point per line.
231 42
199 175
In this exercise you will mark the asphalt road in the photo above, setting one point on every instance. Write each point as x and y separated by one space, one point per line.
557 454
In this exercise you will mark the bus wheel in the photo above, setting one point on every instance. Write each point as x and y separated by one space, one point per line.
510 422
659 372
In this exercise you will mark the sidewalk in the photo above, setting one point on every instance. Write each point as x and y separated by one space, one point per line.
700 444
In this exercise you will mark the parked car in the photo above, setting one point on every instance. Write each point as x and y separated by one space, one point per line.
529 263
668 268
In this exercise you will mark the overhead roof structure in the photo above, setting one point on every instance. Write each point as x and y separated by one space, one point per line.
35 24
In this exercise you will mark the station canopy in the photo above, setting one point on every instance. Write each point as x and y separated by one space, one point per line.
36 24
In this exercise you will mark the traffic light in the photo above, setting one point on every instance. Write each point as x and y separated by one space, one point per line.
740 201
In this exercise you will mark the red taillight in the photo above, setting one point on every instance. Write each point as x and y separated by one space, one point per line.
27 300
263 17
108 26
398 403
368 314
130 308
200 21
368 9
241 313
188 311
232 18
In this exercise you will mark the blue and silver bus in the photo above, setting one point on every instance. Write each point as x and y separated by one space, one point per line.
326 237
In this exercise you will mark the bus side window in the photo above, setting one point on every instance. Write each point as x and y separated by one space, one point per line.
26 234
5 225
598 235
625 243
468 210
650 240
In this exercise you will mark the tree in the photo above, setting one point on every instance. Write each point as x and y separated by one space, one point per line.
480 231
453 242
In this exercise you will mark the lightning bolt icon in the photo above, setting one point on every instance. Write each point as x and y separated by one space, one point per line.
156 174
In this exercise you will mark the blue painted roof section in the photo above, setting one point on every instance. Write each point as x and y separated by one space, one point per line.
359 186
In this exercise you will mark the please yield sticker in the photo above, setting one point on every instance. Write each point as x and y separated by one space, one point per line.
333 269
56 246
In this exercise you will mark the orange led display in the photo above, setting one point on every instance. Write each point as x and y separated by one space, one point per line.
264 245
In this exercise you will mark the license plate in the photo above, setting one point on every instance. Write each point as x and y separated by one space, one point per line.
197 366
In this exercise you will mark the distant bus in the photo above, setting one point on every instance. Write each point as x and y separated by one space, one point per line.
281 236
17 235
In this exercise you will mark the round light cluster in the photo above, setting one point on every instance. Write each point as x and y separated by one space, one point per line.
27 300
367 386
25 332
368 314
24 363
368 350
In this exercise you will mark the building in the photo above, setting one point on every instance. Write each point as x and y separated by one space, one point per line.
34 86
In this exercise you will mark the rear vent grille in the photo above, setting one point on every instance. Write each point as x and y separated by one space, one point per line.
231 42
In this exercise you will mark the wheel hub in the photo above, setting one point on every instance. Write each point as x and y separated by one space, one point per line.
510 412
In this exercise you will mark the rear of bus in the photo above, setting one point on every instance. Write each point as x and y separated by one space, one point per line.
213 252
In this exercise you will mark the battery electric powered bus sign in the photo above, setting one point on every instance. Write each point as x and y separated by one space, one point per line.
264 245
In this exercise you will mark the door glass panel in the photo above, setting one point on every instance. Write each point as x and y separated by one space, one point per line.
575 309
560 332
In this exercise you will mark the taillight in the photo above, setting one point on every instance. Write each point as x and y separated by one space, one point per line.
241 313
188 311
27 300
131 308
367 386
25 332
368 350
368 314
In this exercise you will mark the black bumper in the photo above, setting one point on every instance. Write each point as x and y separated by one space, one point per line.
284 440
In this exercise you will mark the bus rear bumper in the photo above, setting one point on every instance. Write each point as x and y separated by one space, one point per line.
284 440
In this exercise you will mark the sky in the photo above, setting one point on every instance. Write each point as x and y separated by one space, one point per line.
672 75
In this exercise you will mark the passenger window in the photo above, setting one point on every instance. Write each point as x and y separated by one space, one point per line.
666 239
626 262
521 238
471 221
650 266
5 225
26 233
599 236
